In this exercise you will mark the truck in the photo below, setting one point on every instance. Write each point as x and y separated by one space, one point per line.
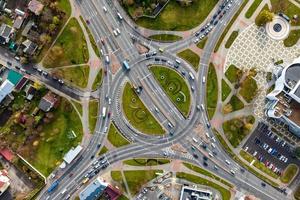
104 112
126 66
53 186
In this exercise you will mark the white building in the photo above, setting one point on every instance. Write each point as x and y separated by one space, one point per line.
188 193
284 101
71 155
4 181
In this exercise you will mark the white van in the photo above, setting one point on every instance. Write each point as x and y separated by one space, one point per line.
105 9
119 15
106 59
213 145
203 79
178 61
195 140
228 162
207 135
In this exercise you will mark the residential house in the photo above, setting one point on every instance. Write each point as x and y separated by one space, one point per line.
18 22
30 31
5 33
49 101
35 6
9 84
94 190
29 47
4 181
29 91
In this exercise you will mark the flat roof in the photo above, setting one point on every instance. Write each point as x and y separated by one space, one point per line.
14 77
295 114
93 190
71 155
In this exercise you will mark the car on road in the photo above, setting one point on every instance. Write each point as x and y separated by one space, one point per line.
196 156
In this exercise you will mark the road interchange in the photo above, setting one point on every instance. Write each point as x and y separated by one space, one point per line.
101 25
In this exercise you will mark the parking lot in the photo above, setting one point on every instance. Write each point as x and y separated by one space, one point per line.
270 149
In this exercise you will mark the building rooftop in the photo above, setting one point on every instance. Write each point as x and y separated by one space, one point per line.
4 181
292 75
94 190
35 6
71 155
14 77
5 89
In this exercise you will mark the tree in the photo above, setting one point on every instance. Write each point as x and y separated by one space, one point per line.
55 20
227 108
45 38
264 17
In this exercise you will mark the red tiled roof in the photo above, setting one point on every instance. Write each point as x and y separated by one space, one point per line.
7 154
112 192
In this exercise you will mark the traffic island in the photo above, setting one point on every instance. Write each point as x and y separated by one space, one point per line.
175 87
137 114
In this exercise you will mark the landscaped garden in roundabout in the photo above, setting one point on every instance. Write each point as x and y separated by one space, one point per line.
175 87
137 114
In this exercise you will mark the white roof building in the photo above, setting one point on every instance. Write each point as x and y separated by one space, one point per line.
4 181
284 101
71 155
5 89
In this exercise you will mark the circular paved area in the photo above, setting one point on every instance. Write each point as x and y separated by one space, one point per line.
278 29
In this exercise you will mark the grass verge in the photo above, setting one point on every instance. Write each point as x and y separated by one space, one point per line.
115 137
289 173
248 89
202 43
211 90
191 57
98 80
225 90
252 8
93 114
292 39
233 74
231 39
165 37
146 162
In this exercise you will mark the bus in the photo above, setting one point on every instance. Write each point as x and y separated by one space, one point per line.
126 66
104 112
53 186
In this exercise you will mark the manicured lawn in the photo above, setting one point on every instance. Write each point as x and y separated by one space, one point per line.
78 106
178 18
117 176
122 197
190 57
259 165
207 173
229 26
98 80
65 6
225 90
289 173
145 162
78 75
57 138
252 8
236 103
287 8
103 150
198 180
66 51
237 129
292 39
233 74
175 87
115 137
211 90
137 178
93 114
231 39
93 42
165 37
137 113
248 89
202 43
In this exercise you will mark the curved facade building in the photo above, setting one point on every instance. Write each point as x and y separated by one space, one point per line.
283 102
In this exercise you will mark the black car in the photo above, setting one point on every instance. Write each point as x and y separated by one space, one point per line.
205 164
263 184
92 157
156 59
195 156
205 158
8 63
17 67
